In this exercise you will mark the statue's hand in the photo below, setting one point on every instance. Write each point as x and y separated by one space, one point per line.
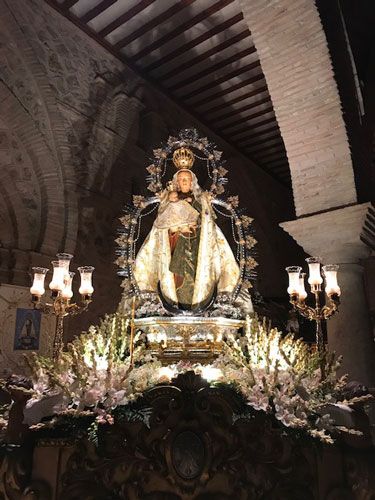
173 196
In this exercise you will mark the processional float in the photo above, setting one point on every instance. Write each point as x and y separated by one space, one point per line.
186 288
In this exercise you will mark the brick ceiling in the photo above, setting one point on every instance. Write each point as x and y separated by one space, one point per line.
201 54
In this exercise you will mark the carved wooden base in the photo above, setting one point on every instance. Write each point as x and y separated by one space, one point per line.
188 441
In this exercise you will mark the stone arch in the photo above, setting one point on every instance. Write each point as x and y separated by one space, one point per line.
295 60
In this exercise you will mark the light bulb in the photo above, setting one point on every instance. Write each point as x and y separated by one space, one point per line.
67 292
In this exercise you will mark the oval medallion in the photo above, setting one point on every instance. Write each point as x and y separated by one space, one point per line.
188 455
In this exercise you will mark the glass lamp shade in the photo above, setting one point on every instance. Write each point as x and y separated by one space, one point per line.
302 294
67 292
37 288
64 259
315 277
294 274
330 275
86 287
59 273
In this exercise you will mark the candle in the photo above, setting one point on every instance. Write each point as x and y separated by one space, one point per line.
86 287
294 274
67 292
59 271
37 288
314 268
302 294
330 275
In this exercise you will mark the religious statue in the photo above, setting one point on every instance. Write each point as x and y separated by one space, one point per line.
186 254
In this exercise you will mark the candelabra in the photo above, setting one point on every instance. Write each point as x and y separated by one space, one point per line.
61 294
298 294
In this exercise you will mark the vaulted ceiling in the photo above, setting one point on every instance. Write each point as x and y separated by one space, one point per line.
201 54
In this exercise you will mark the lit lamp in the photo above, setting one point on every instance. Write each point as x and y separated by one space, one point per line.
61 294
330 275
298 294
86 289
37 288
294 283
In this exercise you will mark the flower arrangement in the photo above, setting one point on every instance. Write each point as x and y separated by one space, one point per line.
275 374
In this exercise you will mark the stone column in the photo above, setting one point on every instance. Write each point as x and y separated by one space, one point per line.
336 236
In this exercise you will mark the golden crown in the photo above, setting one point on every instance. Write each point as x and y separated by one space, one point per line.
183 158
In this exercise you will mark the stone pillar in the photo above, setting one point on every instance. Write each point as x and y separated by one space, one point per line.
337 236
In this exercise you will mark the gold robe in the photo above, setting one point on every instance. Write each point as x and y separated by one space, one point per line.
216 263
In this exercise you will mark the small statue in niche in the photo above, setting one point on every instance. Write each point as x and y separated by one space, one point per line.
185 251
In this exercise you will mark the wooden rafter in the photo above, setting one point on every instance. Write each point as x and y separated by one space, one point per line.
180 29
234 112
229 90
247 118
129 14
253 126
228 76
239 142
215 67
205 55
196 41
153 23
97 10
67 4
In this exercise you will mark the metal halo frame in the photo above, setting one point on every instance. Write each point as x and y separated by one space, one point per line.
242 230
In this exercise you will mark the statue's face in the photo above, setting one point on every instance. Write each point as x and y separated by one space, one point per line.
184 180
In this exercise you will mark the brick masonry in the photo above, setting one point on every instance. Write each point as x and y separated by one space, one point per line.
293 52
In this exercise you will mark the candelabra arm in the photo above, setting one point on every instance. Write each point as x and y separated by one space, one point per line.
332 307
300 306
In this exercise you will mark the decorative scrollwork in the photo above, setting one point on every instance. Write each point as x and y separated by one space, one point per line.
194 447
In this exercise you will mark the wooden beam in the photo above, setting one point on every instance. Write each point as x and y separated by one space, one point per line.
181 29
246 118
129 14
266 144
211 69
274 154
228 76
95 11
205 55
262 141
153 23
234 112
67 4
257 134
252 127
196 41
229 90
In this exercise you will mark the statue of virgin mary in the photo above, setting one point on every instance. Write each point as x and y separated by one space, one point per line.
185 252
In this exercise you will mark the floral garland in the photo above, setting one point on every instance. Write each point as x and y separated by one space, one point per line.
274 373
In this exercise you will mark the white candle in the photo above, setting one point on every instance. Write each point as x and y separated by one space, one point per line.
293 273
57 282
314 268
86 287
330 275
37 288
67 292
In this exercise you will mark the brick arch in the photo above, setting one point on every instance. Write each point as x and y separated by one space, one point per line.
30 108
295 60
47 235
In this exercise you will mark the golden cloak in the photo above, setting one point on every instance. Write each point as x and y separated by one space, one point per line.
216 263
